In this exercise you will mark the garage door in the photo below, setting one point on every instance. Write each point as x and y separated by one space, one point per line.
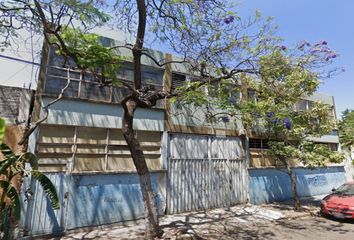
205 172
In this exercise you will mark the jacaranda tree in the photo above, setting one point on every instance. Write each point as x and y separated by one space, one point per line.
213 42
286 77
346 131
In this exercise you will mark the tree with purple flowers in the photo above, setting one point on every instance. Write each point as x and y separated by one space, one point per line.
287 77
222 52
284 77
211 40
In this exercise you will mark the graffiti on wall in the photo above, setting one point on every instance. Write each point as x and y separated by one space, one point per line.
317 181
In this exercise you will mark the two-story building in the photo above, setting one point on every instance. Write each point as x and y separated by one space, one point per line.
194 163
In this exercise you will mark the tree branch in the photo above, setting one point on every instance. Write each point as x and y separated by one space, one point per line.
139 41
158 63
46 110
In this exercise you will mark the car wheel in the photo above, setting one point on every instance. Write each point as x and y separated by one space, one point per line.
322 214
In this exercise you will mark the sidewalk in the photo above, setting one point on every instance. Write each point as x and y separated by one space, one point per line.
198 225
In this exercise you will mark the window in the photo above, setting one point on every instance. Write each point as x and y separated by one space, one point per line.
56 80
251 95
90 149
150 77
301 105
93 91
258 143
55 147
304 105
259 156
334 132
331 111
234 97
310 105
214 90
331 146
178 80
126 74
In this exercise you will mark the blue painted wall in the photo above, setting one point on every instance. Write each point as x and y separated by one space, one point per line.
104 199
319 181
89 200
272 185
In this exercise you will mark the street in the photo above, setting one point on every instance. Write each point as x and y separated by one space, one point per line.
311 227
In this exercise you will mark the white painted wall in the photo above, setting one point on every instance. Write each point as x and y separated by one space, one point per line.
89 114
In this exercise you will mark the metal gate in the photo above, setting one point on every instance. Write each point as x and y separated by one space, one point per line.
40 218
205 182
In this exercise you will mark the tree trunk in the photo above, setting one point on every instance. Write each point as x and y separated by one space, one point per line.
130 104
296 199
149 197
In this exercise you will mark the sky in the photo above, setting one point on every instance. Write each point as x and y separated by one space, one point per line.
315 20
297 20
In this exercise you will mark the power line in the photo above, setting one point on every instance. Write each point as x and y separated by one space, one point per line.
13 75
32 55
19 60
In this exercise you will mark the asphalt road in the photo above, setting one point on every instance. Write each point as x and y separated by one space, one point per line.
311 227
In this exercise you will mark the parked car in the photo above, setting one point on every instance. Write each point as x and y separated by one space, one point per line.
340 203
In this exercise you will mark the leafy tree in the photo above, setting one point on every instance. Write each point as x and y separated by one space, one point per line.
12 167
267 108
2 129
287 76
213 42
346 131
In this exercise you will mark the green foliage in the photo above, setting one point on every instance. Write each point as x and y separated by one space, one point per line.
10 159
20 16
48 187
196 97
86 11
225 95
6 224
308 153
315 121
2 129
282 81
12 194
346 129
90 53
10 167
283 78
15 164
283 151
292 128
31 159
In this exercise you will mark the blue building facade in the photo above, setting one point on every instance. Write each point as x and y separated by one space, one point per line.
268 185
194 163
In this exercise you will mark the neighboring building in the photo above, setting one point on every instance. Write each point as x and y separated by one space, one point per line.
259 145
267 183
15 107
194 163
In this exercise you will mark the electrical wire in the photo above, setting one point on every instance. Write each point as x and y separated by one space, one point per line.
13 75
32 55
18 60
